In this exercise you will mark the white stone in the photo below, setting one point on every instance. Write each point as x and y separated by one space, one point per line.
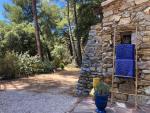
147 11
106 37
130 1
124 21
116 18
147 90
99 69
110 70
140 16
140 1
92 68
144 65
106 28
108 13
106 2
146 71
107 23
106 19
147 33
146 39
126 14
124 6
147 27
144 23
147 77
92 33
93 27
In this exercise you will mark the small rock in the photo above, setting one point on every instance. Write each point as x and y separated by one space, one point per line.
147 90
140 1
146 71
147 11
108 13
124 21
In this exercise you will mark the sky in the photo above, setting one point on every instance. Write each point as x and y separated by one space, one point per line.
1 8
60 3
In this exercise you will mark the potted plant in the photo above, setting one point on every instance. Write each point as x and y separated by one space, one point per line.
101 95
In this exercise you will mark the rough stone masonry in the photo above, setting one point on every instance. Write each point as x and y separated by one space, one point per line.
98 53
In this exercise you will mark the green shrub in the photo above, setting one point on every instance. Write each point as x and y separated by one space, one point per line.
8 65
47 66
20 65
33 65
28 64
62 66
60 55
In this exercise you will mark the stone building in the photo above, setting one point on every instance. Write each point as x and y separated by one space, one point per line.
125 16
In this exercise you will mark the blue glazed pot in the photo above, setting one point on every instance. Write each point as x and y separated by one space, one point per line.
101 103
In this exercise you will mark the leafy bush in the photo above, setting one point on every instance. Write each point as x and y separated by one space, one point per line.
32 64
18 38
8 65
47 66
28 64
20 65
62 66
60 55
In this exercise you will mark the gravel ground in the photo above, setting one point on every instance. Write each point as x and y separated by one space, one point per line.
45 93
53 101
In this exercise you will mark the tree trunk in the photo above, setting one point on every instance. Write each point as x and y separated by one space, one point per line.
69 44
79 55
70 31
37 34
47 48
48 53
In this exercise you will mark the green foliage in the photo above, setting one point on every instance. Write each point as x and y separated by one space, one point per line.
86 18
20 65
62 66
20 11
14 13
8 65
102 89
48 19
29 65
19 35
60 55
18 38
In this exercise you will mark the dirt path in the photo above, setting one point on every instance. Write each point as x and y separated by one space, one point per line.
44 82
47 93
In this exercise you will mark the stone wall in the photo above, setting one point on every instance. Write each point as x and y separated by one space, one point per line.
97 60
91 62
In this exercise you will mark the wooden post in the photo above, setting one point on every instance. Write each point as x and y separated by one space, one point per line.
136 76
113 74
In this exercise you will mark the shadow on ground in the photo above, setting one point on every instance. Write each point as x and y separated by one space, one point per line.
65 79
